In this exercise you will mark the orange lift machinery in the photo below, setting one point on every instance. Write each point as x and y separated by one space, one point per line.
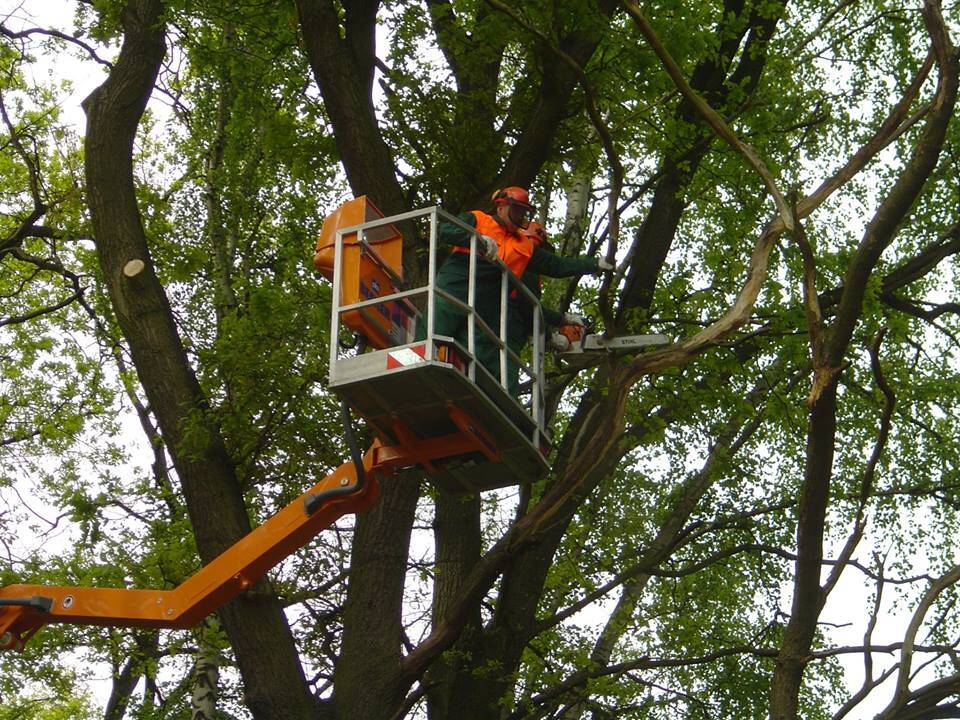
425 397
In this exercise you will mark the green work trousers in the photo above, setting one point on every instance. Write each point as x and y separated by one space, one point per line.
451 321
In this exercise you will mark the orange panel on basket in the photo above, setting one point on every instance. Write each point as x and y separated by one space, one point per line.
362 277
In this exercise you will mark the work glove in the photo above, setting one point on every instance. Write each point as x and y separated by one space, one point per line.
572 319
487 247
558 342
603 265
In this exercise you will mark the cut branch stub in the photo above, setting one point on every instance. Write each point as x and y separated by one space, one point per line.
133 268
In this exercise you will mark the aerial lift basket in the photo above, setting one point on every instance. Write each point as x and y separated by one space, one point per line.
412 388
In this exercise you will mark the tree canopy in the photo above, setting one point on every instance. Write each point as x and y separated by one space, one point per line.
755 521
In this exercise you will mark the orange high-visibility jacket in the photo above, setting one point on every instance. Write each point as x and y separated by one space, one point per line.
514 250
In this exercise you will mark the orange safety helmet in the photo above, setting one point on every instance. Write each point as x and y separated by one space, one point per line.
513 196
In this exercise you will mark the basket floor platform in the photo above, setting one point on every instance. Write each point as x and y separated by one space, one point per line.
376 384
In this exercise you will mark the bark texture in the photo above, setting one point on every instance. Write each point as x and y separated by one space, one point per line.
255 623
368 677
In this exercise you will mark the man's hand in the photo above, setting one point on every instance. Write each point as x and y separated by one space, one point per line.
559 342
487 247
567 334
604 266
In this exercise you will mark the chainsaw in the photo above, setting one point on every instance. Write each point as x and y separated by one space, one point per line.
578 343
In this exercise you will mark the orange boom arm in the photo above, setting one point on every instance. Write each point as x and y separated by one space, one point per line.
26 608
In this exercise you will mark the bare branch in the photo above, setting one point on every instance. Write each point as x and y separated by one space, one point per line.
29 32
711 116
902 694
580 677
869 682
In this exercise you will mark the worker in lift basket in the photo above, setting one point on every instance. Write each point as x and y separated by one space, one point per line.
500 235
520 311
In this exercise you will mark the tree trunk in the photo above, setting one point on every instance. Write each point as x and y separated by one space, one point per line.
343 68
265 651
368 680
206 676
457 540
829 348
487 663
798 637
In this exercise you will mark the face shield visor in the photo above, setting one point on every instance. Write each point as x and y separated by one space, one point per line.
520 215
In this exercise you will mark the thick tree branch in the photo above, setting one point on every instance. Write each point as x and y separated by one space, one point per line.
828 363
811 302
890 215
258 631
711 116
609 149
741 26
550 107
867 477
343 68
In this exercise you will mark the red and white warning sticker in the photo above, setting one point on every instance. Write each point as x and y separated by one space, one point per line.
403 357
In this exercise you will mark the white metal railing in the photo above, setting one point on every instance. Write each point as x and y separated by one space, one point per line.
474 323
